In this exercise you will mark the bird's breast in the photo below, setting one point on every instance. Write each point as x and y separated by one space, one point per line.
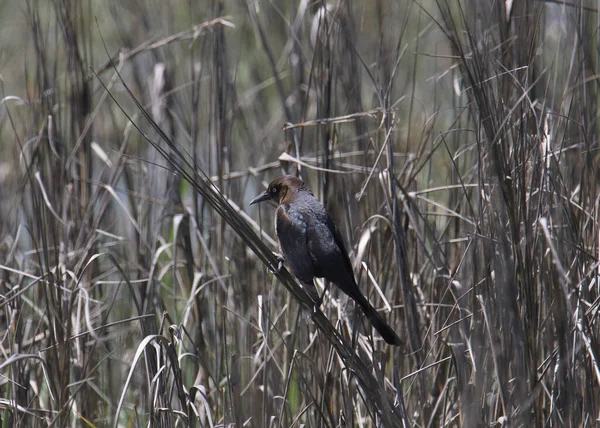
291 228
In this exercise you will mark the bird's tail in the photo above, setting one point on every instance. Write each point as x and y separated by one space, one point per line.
388 334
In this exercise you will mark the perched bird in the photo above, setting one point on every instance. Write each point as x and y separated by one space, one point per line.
312 246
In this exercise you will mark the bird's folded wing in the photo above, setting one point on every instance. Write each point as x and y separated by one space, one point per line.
328 252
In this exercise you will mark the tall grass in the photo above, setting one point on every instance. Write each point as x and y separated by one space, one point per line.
455 144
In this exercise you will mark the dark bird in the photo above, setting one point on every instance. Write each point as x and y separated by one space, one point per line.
312 246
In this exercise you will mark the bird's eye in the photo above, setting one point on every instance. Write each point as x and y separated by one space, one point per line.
274 190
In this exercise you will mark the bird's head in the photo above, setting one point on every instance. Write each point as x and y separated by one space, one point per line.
279 188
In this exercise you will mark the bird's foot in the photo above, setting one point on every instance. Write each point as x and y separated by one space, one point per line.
280 261
320 297
317 304
319 301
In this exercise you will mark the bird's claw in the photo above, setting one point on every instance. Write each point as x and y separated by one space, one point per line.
280 261
318 303
320 297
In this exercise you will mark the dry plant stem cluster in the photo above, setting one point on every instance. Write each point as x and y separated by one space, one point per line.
455 143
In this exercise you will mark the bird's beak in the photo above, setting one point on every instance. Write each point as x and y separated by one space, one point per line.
264 196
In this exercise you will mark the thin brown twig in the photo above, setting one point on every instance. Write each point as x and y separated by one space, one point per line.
337 119
190 33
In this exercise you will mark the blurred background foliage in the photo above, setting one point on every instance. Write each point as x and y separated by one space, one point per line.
454 142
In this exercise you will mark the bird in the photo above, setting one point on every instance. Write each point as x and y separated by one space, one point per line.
312 246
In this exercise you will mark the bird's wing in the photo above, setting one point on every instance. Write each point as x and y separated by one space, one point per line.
340 243
292 233
328 252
